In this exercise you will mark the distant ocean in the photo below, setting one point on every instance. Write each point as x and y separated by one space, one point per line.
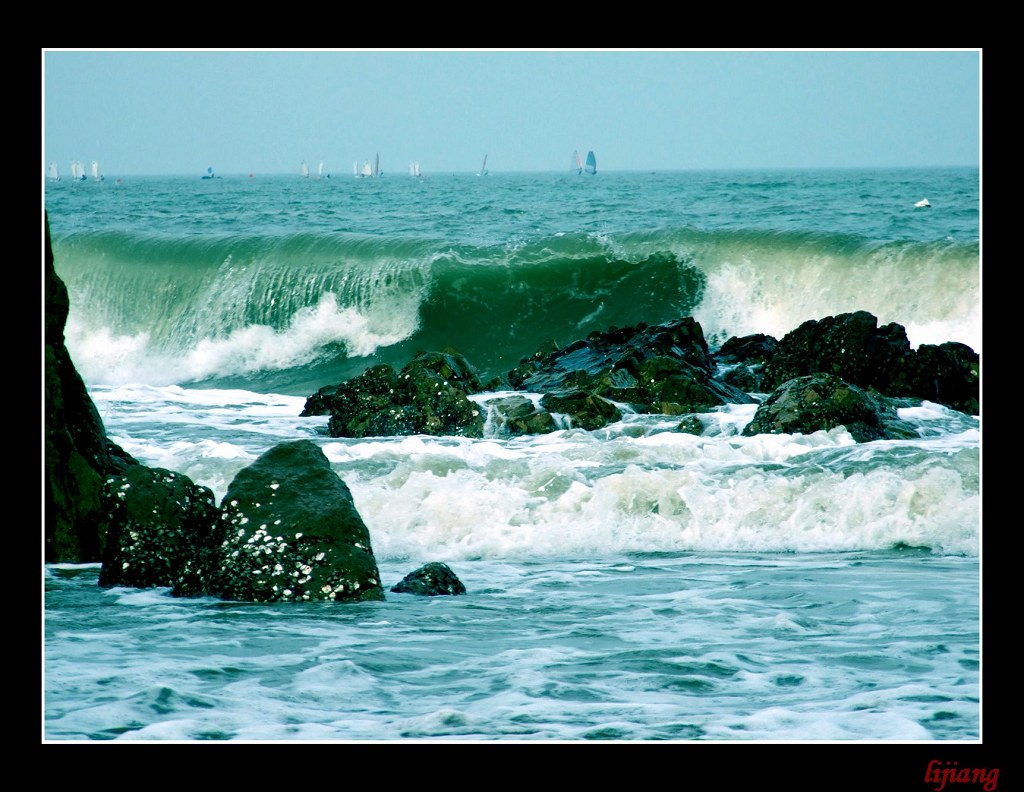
631 583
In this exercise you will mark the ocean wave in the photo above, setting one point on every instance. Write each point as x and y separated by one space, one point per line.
280 311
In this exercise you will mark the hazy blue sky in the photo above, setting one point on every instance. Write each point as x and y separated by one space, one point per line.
165 112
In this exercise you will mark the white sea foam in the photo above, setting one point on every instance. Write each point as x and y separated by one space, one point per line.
635 486
773 294
104 358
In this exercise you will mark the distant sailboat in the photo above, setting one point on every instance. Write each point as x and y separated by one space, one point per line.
577 163
367 170
77 171
376 166
320 171
53 172
591 163
922 203
483 168
304 170
414 169
96 175
208 174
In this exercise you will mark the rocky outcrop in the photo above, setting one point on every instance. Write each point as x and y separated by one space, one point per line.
662 369
158 522
823 401
511 416
430 580
654 369
852 346
78 455
740 361
428 396
948 374
584 410
289 531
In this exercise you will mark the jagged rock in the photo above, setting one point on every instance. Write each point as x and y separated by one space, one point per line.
427 396
947 374
158 522
527 367
664 368
741 361
691 424
822 401
852 347
292 532
78 455
430 580
517 415
584 410
450 366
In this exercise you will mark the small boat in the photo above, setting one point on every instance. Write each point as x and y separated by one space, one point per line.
53 172
591 163
367 170
96 175
414 170
922 203
483 168
304 170
376 167
577 163
320 171
77 171
208 174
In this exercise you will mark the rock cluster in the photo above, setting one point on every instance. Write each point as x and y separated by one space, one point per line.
845 368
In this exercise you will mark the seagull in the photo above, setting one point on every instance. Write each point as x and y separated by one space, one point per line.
922 202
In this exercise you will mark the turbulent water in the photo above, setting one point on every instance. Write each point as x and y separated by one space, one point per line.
632 583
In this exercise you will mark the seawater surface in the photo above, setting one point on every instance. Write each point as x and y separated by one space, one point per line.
634 583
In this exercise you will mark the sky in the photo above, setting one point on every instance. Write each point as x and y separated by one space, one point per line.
164 112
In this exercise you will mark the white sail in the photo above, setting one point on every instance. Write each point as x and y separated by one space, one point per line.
53 172
483 168
304 170
577 163
367 170
96 171
320 170
414 169
77 171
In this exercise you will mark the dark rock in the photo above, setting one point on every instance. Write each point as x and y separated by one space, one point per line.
78 455
292 532
158 522
430 580
691 424
320 402
427 396
740 361
849 346
947 374
664 368
852 347
511 416
450 366
584 410
822 401
755 348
